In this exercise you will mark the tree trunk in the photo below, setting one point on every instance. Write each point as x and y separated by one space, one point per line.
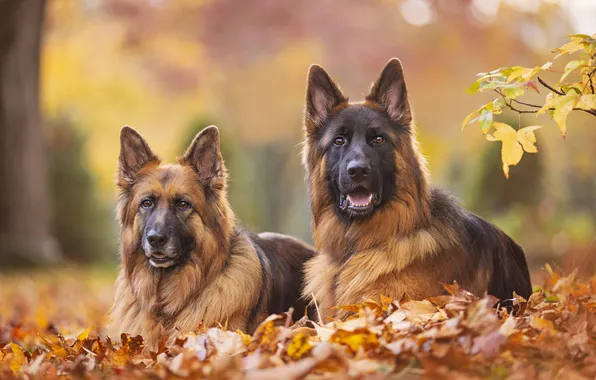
25 237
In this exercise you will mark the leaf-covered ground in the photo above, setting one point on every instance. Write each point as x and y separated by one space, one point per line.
50 327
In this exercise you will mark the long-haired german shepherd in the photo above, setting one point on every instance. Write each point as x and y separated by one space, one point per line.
378 226
183 258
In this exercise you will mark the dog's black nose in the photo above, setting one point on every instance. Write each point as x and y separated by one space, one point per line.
156 239
358 170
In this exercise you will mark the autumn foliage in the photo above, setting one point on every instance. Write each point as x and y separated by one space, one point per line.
551 335
573 92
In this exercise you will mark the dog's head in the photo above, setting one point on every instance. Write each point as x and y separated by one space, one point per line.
170 212
364 147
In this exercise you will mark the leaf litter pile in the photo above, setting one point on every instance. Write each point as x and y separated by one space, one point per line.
51 326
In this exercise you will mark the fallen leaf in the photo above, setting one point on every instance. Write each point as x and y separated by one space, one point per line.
489 345
18 358
299 346
85 334
354 340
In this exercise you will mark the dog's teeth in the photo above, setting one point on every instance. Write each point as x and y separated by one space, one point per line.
359 200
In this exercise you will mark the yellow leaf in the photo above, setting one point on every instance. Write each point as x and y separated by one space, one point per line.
542 324
587 102
385 302
121 356
85 334
473 88
551 98
511 150
554 275
350 308
571 66
56 349
18 358
265 336
469 118
562 109
569 47
527 139
516 72
526 73
356 339
245 337
299 346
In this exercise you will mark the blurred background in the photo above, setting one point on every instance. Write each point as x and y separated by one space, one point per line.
73 72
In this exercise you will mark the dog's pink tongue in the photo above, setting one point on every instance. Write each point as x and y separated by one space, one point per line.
359 200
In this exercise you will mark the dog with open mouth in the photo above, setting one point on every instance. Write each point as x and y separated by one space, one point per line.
378 225
185 261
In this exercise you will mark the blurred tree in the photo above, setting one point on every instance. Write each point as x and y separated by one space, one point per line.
25 236
80 220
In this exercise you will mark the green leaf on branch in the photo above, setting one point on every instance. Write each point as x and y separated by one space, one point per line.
513 91
484 115
572 66
563 97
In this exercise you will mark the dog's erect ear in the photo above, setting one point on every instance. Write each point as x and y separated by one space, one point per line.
134 154
322 95
390 92
204 155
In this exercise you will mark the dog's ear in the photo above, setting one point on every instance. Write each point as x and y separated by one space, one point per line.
204 156
134 154
389 91
322 95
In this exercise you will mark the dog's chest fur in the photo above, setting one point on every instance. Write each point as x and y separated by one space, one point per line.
412 266
154 304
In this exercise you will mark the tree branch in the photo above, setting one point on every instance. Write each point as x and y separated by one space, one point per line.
549 87
591 112
508 103
511 107
526 104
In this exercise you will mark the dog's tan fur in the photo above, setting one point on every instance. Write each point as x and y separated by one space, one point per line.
227 280
413 243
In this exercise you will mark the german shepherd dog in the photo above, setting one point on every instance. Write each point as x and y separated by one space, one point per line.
184 260
378 226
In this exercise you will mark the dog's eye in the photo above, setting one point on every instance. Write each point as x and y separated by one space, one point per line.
339 141
379 140
146 203
183 205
